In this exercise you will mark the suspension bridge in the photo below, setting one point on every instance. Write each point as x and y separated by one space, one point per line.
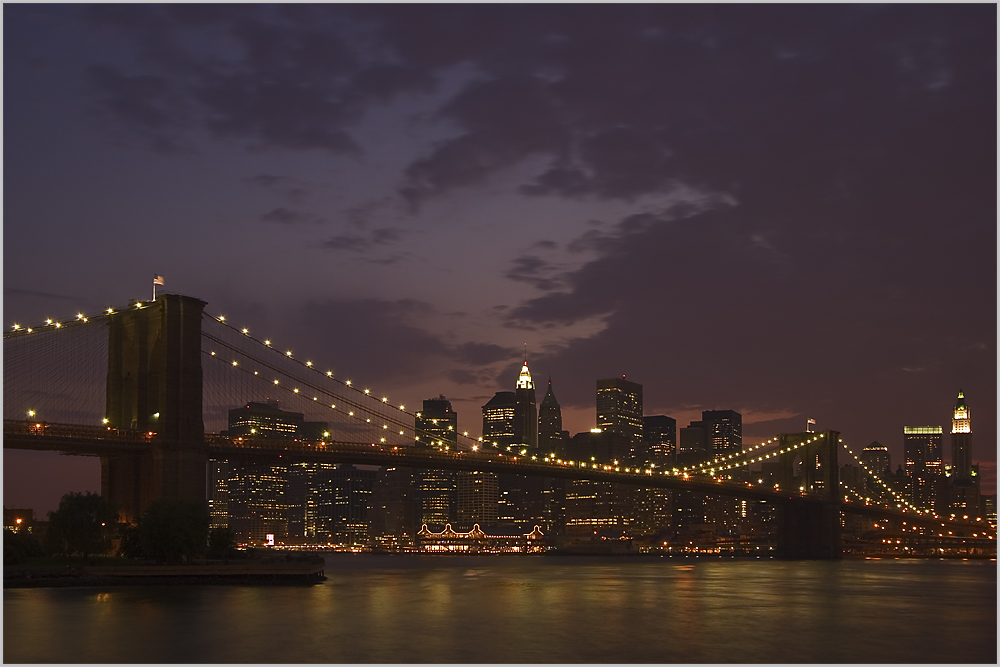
148 389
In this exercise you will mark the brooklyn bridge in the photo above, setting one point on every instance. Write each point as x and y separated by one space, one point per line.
136 387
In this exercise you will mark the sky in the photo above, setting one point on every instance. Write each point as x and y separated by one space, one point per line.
784 210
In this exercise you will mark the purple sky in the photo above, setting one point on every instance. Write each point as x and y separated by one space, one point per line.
786 210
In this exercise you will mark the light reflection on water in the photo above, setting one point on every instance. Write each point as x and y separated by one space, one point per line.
400 609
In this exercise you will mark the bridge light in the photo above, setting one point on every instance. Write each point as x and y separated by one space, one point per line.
234 363
288 354
31 413
347 382
296 390
48 320
16 327
104 421
79 316
326 434
401 433
275 382
245 331
368 391
222 318
156 415
267 342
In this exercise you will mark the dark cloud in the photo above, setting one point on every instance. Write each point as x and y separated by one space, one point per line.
363 241
265 180
288 79
383 342
144 100
534 271
482 353
284 216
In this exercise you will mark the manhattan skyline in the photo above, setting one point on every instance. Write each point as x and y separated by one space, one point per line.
787 211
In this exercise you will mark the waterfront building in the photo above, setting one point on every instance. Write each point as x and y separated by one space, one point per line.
252 498
922 448
476 498
258 503
437 427
491 539
619 410
328 503
395 514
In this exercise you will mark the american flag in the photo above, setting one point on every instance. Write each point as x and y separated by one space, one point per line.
157 280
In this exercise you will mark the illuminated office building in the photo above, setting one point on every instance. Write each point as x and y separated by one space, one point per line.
876 459
961 440
550 433
619 410
525 412
922 448
253 498
963 488
437 427
659 434
476 498
498 419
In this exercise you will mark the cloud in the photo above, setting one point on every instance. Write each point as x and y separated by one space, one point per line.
265 180
534 271
284 216
363 241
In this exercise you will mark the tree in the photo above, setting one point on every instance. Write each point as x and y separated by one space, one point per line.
83 524
221 543
18 547
173 529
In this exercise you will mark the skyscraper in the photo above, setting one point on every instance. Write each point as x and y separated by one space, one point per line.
498 419
619 410
525 413
437 424
477 498
437 427
961 440
659 434
724 430
876 459
922 446
549 423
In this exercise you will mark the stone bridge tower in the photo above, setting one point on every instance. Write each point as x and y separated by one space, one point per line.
154 384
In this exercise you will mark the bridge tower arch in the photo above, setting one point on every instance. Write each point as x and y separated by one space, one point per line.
809 522
154 384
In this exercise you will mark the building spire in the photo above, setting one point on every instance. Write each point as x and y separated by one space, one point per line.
524 379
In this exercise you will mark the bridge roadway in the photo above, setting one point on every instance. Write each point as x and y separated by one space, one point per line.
98 440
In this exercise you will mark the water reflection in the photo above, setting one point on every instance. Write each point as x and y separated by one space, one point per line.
530 610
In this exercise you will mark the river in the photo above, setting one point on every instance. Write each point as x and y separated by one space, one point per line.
530 609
